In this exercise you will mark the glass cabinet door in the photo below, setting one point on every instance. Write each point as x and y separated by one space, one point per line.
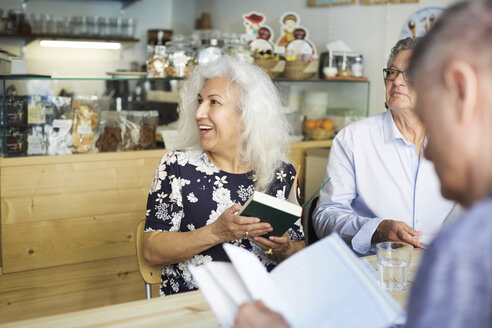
341 101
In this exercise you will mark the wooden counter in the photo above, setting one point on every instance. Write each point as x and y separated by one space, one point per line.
68 229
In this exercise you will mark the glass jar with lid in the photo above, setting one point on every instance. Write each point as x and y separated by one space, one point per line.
235 48
113 28
343 68
210 51
102 26
128 25
180 58
357 67
156 64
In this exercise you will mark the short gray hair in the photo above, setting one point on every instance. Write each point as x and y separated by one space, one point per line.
403 44
464 30
265 134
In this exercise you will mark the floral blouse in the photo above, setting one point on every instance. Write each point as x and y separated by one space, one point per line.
189 192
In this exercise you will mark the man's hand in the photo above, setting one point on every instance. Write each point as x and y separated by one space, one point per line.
258 315
392 230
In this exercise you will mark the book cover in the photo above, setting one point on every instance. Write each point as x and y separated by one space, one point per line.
281 214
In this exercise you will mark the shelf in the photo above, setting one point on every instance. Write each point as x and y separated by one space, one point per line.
347 78
124 3
31 37
316 80
95 78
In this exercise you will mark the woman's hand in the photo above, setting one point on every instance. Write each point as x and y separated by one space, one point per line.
230 226
280 247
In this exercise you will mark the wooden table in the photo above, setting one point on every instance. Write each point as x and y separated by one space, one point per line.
182 310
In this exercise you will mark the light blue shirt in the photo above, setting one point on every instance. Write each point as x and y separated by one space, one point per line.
375 175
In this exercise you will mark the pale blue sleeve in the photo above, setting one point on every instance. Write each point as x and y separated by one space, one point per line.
334 211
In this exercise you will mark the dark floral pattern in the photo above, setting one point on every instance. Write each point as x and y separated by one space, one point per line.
189 192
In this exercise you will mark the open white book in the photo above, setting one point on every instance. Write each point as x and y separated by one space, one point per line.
324 285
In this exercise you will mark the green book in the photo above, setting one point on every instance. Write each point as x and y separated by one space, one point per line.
281 214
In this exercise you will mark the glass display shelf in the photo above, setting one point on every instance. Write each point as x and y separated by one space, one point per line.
28 38
23 118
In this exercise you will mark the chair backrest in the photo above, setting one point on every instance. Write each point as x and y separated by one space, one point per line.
150 274
311 233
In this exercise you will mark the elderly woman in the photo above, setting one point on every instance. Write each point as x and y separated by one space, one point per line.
234 141
382 188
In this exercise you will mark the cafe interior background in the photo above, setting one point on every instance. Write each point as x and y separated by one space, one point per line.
54 269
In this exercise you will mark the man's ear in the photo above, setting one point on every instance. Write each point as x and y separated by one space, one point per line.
461 83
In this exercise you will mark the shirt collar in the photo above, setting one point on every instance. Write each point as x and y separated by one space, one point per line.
390 130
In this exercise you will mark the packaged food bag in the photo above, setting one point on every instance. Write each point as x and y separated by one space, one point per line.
110 131
85 121
140 130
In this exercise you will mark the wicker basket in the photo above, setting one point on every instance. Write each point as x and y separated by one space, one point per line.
300 70
319 134
272 67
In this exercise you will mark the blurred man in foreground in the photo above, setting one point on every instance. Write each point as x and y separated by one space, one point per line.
451 70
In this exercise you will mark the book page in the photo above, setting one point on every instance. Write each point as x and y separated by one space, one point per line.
225 275
220 300
257 280
328 287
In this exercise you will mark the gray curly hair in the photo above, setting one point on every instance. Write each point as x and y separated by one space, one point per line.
264 132
403 44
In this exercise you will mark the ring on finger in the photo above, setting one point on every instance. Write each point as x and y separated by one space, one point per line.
269 252
247 234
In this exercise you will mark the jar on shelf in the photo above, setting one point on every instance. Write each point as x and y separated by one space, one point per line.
343 67
36 24
156 63
17 22
128 25
90 25
102 26
118 32
180 58
63 26
83 25
209 51
357 67
113 26
235 48
159 37
76 25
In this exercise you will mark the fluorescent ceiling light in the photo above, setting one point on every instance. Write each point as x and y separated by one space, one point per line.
80 44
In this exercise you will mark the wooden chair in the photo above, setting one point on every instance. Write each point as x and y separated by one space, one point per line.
150 274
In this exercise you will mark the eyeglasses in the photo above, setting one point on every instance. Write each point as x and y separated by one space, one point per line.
390 74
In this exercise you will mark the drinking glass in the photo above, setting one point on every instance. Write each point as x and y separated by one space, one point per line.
393 261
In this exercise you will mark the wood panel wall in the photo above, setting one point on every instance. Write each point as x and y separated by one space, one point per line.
68 230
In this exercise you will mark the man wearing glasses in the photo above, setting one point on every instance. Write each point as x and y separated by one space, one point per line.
382 188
